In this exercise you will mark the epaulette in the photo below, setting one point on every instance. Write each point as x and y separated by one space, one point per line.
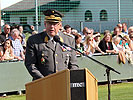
68 34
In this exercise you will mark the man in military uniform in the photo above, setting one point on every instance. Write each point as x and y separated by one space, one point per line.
43 55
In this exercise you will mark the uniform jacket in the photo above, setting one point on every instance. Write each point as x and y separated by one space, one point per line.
43 57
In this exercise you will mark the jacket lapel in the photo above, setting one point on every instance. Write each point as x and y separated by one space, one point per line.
50 44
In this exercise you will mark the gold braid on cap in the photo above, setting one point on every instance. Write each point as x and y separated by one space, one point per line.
53 17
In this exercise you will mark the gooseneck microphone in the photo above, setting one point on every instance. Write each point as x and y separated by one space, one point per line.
56 38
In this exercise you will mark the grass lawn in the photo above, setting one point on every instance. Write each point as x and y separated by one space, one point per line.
122 91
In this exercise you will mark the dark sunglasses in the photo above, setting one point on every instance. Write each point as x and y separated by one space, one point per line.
88 33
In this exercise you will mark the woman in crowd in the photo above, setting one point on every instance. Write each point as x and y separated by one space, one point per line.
90 46
119 49
126 44
106 45
8 50
131 41
78 44
21 40
1 51
96 37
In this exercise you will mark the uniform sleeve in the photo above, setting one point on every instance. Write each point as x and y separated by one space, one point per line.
31 60
73 59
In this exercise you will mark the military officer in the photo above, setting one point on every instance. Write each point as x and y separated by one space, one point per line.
43 55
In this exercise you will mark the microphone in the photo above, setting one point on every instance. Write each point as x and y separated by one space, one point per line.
57 39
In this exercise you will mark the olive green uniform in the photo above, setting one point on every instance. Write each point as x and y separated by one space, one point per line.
44 57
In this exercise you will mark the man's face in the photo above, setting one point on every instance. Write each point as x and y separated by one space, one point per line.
68 30
117 31
7 29
88 33
52 28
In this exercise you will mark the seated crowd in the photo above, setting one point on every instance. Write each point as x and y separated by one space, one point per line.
12 43
120 41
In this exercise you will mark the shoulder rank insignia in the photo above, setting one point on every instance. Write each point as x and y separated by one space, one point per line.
68 34
46 39
61 39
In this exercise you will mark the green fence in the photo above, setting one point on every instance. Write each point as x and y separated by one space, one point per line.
14 75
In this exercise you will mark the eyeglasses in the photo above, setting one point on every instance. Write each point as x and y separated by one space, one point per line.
7 28
125 39
88 33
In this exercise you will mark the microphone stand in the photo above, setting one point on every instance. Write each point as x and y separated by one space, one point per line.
108 68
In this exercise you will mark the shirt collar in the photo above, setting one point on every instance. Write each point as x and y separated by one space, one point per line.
50 37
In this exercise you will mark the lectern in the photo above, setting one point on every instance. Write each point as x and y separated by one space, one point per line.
64 85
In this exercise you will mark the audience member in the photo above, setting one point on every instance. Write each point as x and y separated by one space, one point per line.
1 51
106 32
131 41
68 30
131 37
78 44
119 49
130 30
120 27
8 50
74 32
22 34
116 45
96 37
21 31
92 31
85 32
4 35
116 31
106 44
125 43
33 30
17 46
124 28
21 40
90 46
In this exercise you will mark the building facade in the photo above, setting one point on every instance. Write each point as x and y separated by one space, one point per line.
97 14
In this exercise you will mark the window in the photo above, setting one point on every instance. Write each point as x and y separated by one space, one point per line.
23 20
39 20
103 15
6 17
88 16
